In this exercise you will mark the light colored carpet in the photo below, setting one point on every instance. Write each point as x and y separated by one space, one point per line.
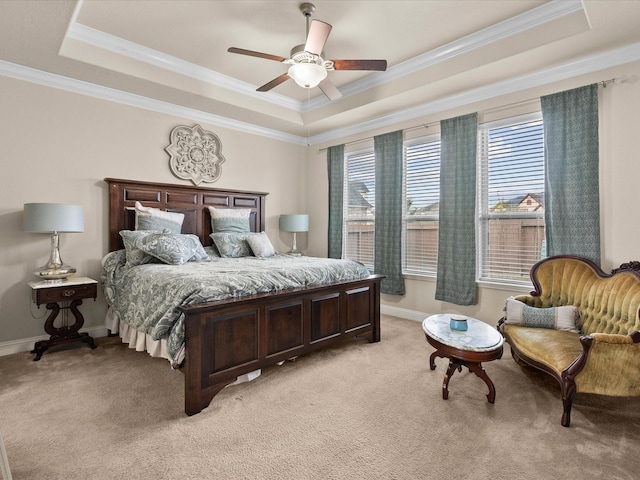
358 411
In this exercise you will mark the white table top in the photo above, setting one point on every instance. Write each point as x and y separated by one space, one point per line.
68 282
479 337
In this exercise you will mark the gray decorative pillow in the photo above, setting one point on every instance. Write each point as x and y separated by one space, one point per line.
132 240
212 251
232 245
174 249
230 220
260 245
559 318
148 218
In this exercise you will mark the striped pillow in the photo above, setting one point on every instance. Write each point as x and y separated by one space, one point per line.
558 318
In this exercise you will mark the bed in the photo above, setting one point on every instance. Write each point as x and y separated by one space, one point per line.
228 334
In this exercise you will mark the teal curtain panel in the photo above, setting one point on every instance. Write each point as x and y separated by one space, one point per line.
572 197
388 211
335 168
456 278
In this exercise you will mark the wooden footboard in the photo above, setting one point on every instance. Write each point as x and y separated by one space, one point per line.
230 338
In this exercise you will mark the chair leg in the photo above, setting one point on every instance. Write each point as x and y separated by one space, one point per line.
568 392
4 461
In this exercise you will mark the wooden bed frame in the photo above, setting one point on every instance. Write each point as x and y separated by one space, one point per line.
230 338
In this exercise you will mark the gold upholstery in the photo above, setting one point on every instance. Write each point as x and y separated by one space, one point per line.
603 358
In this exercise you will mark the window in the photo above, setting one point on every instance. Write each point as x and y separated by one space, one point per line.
422 202
360 212
510 198
510 202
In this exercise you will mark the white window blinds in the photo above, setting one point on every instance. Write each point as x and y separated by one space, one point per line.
422 197
511 198
360 206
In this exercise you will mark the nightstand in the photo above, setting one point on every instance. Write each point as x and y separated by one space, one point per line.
66 296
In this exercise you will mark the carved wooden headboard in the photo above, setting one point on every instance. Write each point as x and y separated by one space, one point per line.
190 200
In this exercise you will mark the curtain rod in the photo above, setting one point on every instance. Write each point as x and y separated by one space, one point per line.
602 83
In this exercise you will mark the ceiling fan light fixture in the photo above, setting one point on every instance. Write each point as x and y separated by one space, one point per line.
307 75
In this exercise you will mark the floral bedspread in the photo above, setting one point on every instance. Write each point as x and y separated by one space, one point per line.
146 296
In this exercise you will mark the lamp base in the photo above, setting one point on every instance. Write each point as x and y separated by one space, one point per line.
294 253
55 271
55 274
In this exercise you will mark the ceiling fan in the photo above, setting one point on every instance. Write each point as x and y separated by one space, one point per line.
308 66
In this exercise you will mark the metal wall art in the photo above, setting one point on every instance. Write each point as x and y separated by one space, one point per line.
196 154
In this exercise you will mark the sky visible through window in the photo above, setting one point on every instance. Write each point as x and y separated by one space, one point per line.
515 168
515 162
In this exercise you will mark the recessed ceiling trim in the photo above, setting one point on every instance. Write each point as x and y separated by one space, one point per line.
538 16
594 63
548 12
120 46
73 85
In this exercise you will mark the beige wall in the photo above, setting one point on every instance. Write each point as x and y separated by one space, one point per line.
58 146
619 171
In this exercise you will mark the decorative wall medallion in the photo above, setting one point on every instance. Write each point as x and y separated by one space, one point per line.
195 154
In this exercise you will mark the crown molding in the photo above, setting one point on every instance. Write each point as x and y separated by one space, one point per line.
594 63
538 16
546 13
591 64
53 80
140 53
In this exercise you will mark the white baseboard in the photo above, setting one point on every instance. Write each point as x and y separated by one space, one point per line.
403 313
26 344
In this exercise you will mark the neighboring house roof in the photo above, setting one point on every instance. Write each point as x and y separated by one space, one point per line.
432 209
526 202
357 195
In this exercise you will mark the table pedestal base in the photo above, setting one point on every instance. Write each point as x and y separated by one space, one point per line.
457 364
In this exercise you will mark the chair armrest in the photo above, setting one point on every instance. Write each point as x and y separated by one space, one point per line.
633 337
610 364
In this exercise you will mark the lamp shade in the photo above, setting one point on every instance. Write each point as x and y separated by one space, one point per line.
307 75
53 217
294 223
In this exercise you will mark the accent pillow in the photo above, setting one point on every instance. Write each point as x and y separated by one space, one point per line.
132 240
232 245
234 220
559 318
212 251
148 218
174 249
260 245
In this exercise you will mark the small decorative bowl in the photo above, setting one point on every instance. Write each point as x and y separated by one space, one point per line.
458 322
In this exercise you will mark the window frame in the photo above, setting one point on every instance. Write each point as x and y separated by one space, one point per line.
483 203
482 207
362 152
406 268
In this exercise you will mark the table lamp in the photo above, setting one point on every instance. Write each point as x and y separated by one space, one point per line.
53 218
294 223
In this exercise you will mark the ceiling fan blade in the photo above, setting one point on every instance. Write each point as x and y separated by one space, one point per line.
318 34
273 83
251 53
329 89
379 65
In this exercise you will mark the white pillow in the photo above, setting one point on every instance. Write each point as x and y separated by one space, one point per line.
559 318
261 245
154 219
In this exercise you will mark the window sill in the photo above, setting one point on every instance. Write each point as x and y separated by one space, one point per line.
511 287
